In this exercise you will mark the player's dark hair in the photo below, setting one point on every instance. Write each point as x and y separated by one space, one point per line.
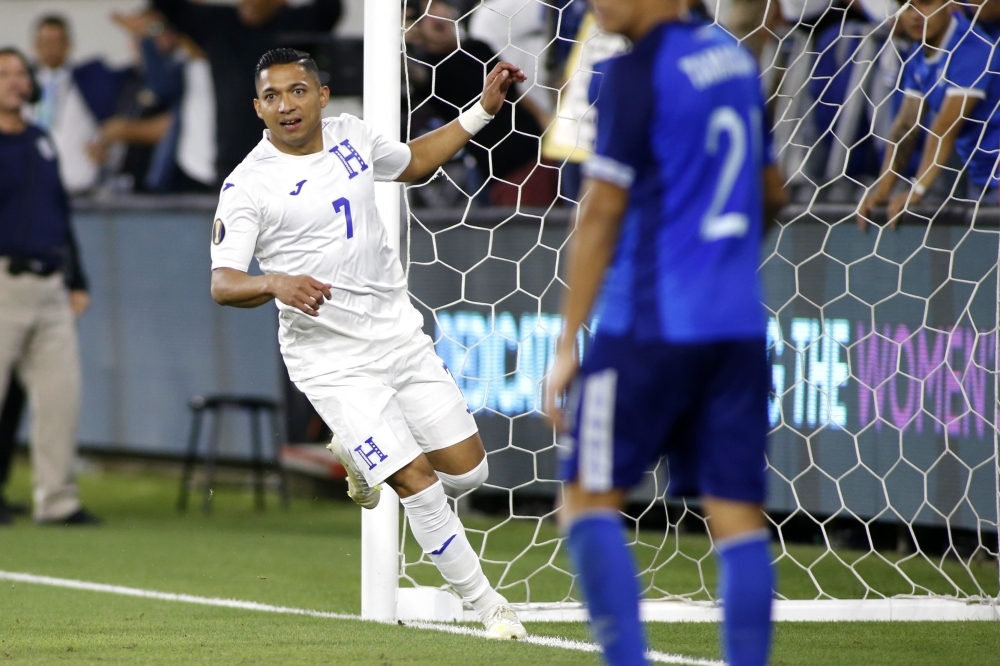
285 56
54 20
36 92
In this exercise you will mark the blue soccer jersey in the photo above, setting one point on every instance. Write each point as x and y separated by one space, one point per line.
680 123
968 66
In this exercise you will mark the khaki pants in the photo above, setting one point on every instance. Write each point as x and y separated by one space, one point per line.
38 340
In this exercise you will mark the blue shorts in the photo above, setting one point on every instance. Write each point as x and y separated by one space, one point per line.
704 406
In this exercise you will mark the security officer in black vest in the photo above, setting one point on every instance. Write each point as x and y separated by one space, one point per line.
37 329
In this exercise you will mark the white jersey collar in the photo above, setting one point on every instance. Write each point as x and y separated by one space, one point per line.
272 150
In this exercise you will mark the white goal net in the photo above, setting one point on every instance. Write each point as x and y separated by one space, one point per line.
883 464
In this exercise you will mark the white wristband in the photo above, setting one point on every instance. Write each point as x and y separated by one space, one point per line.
474 119
919 189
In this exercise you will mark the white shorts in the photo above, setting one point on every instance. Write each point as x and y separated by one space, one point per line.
393 409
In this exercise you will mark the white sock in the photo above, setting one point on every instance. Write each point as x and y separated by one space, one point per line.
440 533
470 480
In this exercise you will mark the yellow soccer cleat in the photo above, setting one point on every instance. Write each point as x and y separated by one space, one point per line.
357 488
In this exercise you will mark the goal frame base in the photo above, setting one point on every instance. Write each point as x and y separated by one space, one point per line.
431 604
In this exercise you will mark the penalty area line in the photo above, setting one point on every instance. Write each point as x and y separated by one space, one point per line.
543 641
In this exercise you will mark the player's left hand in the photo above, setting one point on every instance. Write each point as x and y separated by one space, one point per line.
563 372
498 82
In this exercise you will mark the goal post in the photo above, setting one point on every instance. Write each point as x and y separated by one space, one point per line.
383 22
884 457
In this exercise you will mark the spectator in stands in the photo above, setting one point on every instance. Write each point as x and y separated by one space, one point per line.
233 37
169 128
952 76
846 100
985 14
74 100
37 332
126 141
566 18
446 78
569 141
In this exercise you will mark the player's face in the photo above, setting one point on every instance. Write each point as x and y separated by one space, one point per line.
52 45
926 20
15 83
290 102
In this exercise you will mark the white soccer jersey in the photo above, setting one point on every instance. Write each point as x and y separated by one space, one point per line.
315 215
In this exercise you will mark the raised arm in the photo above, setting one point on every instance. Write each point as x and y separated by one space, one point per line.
435 148
241 290
937 150
902 139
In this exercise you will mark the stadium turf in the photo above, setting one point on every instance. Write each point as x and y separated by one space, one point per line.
308 558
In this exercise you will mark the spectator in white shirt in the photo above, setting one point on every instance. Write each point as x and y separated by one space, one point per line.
62 110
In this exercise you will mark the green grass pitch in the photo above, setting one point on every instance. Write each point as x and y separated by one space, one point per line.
309 558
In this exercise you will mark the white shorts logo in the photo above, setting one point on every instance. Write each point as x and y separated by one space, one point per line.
374 451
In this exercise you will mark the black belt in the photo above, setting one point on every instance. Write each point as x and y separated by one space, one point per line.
18 265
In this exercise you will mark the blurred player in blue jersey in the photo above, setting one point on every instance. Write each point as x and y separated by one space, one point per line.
669 232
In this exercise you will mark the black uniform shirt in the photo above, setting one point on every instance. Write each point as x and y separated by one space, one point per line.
34 208
233 50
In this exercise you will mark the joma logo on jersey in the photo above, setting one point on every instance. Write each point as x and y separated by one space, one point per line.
372 452
351 155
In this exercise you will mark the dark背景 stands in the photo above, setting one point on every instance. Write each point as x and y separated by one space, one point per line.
951 83
233 38
168 120
445 79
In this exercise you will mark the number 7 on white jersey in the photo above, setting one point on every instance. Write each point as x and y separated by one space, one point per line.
344 204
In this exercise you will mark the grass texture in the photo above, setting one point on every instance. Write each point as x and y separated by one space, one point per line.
308 557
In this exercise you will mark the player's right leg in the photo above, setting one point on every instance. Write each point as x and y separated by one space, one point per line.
619 415
441 535
463 466
377 447
733 486
442 424
739 531
592 522
439 417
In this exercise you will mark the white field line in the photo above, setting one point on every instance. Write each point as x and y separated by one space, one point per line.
544 641
566 644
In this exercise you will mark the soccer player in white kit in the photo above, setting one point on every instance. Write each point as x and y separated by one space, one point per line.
303 204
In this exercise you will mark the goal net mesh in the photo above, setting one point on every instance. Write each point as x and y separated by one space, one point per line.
882 457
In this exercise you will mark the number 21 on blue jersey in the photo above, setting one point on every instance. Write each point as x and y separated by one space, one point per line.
715 224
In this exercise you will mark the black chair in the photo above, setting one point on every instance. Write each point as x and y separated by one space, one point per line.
252 406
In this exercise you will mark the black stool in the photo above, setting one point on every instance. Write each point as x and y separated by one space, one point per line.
251 405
